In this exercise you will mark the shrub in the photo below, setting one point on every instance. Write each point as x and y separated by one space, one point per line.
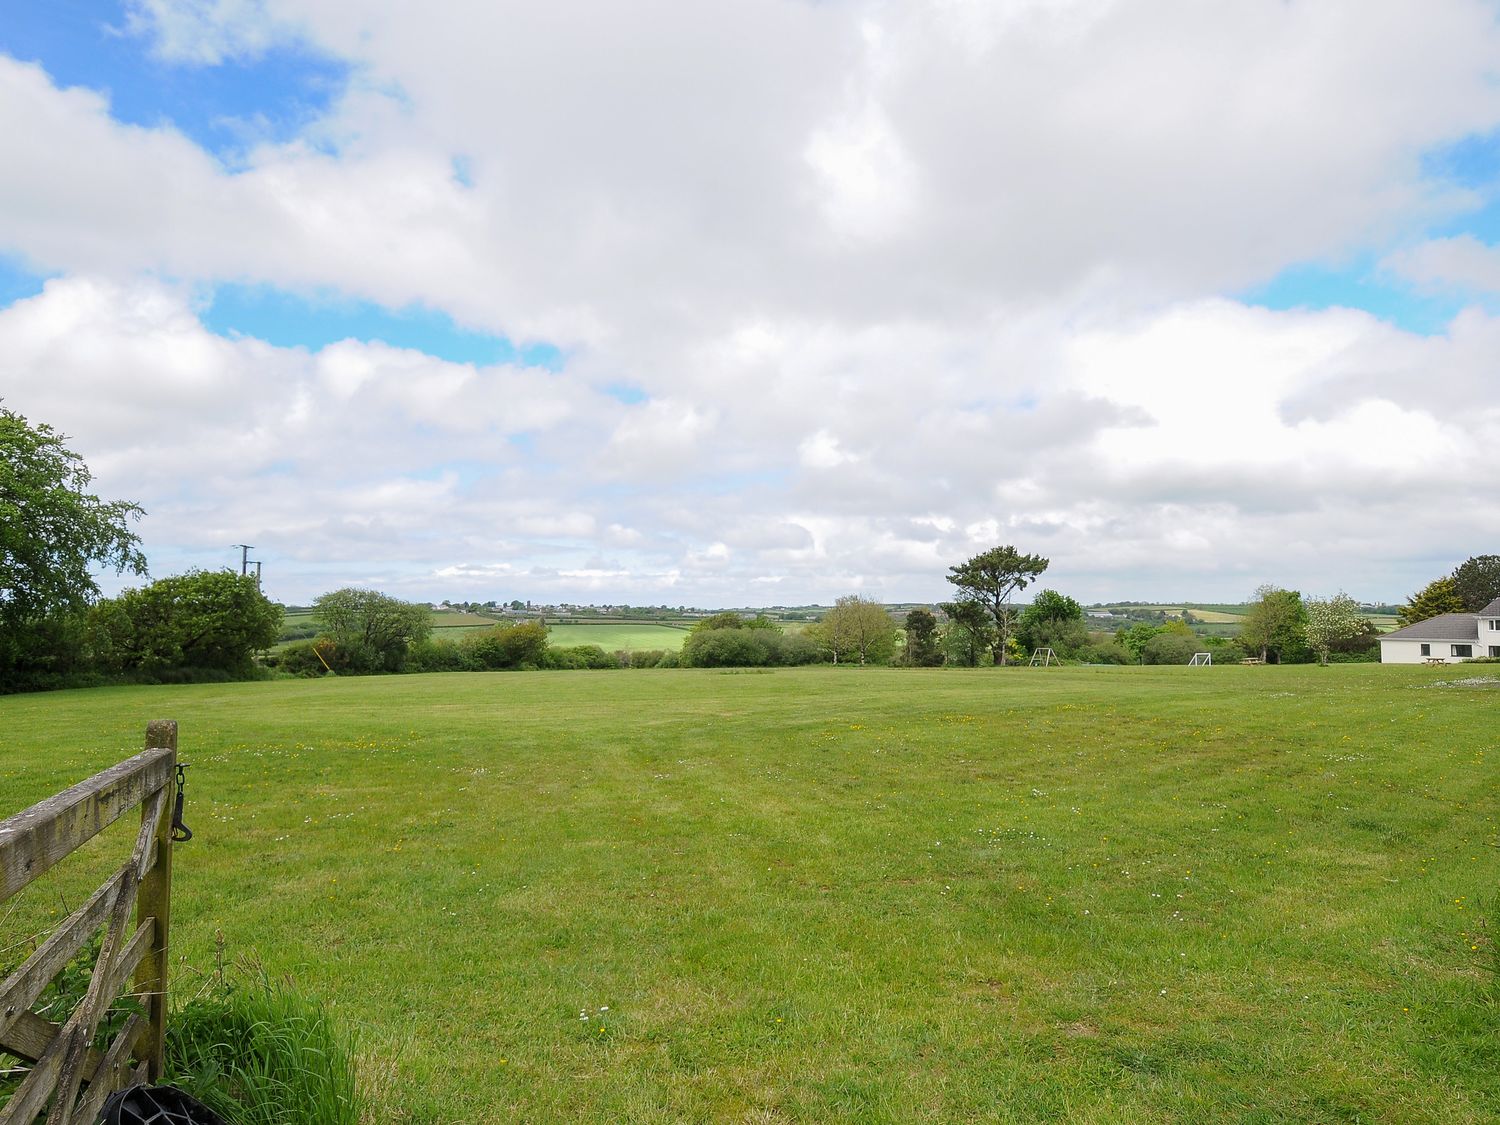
505 647
297 659
578 657
434 656
1170 648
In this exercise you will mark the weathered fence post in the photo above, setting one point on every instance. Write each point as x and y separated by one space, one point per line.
155 901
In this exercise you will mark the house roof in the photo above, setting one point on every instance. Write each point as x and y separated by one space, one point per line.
1461 627
1491 610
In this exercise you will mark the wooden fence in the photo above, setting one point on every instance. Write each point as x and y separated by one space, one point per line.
66 1069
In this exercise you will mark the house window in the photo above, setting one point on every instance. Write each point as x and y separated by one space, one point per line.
1426 650
1495 650
1463 650
1495 622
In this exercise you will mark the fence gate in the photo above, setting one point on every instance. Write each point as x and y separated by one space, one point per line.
67 1071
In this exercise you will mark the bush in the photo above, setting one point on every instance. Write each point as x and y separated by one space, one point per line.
434 656
1171 648
297 659
579 657
505 647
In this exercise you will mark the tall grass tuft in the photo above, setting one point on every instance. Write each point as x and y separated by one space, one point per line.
260 1053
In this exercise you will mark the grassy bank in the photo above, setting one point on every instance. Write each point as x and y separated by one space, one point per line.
1113 895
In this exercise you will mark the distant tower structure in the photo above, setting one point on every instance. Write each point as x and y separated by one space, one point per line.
244 558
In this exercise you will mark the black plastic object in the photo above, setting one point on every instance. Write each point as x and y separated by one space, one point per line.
156 1105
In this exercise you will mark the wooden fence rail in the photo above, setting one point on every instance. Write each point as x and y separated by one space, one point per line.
67 1073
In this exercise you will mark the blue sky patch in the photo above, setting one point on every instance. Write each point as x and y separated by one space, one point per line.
289 320
17 282
223 108
625 393
1473 162
1359 286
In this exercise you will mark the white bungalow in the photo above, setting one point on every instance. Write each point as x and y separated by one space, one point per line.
1447 637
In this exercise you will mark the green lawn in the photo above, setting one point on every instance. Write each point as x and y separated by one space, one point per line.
630 636
1084 895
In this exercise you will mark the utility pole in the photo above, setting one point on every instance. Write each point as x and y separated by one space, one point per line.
244 558
257 572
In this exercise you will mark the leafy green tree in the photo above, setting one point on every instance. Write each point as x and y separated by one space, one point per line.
1438 597
1477 581
991 578
922 649
199 620
1055 621
1134 639
52 532
970 630
368 631
1331 621
1275 625
859 626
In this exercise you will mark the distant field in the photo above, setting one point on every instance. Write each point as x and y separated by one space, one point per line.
1209 614
1097 896
629 636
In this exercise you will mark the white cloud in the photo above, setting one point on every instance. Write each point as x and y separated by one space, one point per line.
1461 262
898 281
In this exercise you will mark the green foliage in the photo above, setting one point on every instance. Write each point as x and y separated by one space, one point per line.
922 648
857 628
729 619
970 632
52 533
1438 597
1170 647
990 578
1135 638
1275 626
1054 621
1476 581
1330 622
369 631
579 657
260 1053
505 647
298 659
199 620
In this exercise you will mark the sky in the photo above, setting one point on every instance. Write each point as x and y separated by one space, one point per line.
764 302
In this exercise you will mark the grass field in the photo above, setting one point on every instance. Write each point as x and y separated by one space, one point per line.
1091 895
630 636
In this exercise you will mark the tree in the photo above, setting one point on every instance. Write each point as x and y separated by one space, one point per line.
52 532
990 579
1052 620
1477 581
1135 639
859 625
369 631
969 632
1274 625
1330 622
922 649
203 619
1438 597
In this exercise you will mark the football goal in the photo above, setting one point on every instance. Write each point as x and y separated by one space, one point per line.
1201 658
